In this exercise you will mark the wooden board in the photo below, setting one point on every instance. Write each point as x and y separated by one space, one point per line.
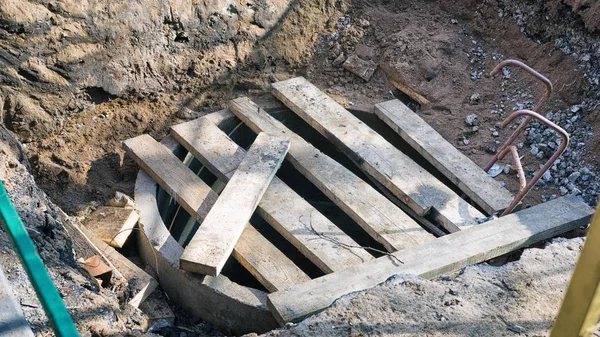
292 216
171 174
167 167
443 255
112 224
371 152
372 211
395 80
470 178
213 242
261 259
140 283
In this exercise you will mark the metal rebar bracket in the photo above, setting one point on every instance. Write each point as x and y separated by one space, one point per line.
538 106
525 186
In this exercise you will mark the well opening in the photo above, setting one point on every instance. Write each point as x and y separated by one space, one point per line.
176 219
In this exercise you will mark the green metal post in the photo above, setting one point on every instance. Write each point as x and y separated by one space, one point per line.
34 266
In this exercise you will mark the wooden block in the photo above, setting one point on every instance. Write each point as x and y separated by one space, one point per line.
292 216
140 283
470 178
438 257
376 156
270 266
112 224
359 67
213 242
372 211
95 266
171 174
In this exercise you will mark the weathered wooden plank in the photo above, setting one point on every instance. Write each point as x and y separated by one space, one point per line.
164 173
112 224
395 80
213 242
370 151
443 255
270 266
168 171
470 178
293 217
139 282
372 211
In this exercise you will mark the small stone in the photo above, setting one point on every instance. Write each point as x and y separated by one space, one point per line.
520 145
466 141
563 190
575 108
339 60
574 176
453 292
475 128
534 150
364 23
576 191
553 196
547 176
453 21
495 133
472 120
475 99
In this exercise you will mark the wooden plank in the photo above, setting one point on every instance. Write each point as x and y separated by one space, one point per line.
580 308
293 217
169 172
440 256
112 224
371 210
395 80
261 259
140 283
193 180
213 242
470 178
371 152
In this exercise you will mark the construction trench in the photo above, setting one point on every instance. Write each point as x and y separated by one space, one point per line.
377 172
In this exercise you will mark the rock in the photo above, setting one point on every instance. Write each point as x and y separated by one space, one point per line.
472 120
364 23
495 133
466 141
359 67
475 99
339 60
453 21
26 118
574 176
563 190
547 176
534 150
